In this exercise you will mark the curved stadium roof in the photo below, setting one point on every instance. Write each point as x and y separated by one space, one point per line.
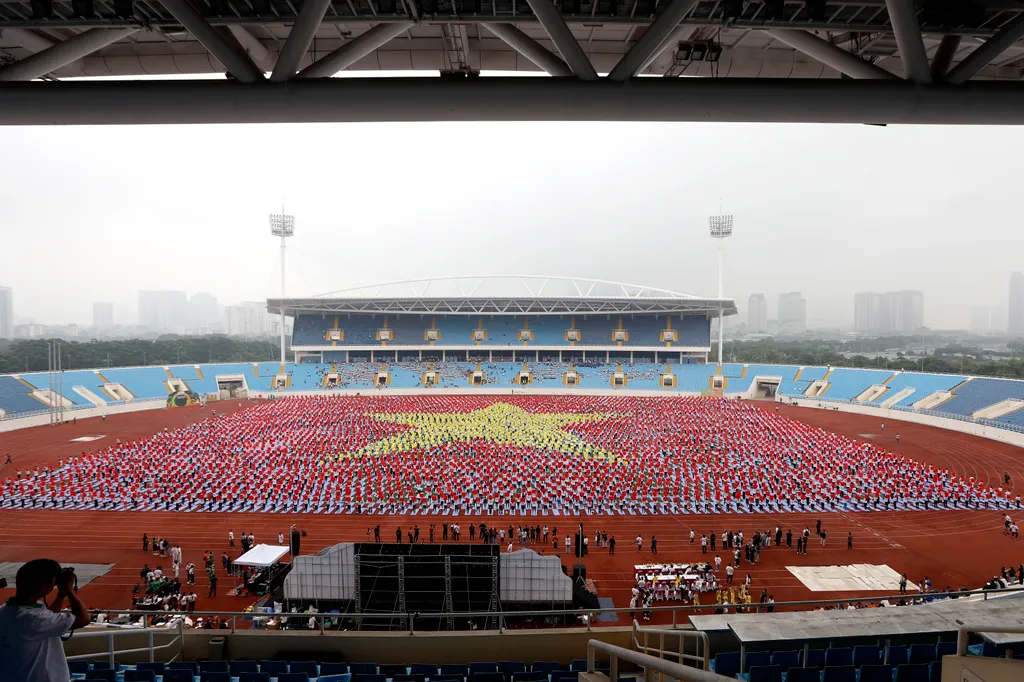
511 294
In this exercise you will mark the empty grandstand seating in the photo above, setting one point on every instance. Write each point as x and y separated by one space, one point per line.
978 394
846 384
85 378
16 397
923 385
143 382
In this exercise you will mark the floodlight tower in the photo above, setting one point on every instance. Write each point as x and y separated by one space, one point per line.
721 228
282 225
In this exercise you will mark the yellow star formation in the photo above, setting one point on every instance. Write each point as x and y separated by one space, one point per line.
499 423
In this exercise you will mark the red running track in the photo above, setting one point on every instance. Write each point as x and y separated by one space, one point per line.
952 547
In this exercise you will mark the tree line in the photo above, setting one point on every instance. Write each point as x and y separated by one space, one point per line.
31 356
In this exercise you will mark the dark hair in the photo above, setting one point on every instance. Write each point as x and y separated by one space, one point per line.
36 574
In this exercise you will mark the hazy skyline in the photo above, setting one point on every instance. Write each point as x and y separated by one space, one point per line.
95 214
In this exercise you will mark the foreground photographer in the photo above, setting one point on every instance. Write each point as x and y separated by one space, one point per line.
31 630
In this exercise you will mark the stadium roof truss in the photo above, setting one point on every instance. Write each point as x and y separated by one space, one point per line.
512 295
905 61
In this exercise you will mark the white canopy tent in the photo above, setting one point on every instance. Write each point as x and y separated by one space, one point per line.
262 556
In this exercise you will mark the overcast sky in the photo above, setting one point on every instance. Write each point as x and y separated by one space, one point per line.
97 213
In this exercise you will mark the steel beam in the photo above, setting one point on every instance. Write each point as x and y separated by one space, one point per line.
62 54
354 50
510 99
984 55
646 48
30 40
531 49
680 34
561 35
226 50
253 47
829 55
944 56
299 39
903 18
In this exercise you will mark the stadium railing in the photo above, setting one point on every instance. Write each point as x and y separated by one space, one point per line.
701 657
653 667
967 630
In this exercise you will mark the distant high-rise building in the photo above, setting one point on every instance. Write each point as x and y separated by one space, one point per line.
894 312
997 319
103 314
1015 315
163 311
757 314
792 313
867 312
6 313
203 312
248 319
981 318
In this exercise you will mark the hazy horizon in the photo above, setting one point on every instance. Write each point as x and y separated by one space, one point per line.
825 210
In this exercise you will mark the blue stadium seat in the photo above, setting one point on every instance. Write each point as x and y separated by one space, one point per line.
726 664
536 676
483 668
764 673
487 677
426 669
579 664
369 678
155 666
876 673
911 673
78 667
945 649
454 669
214 676
391 669
332 668
254 677
105 665
838 656
106 675
342 677
815 658
786 659
178 675
139 676
511 667
839 673
402 678
921 654
213 667
236 668
866 654
308 667
447 678
759 658
803 675
275 668
363 668
293 677
545 666
897 654
935 672
565 675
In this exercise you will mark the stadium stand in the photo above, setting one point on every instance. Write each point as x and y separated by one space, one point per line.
16 397
85 378
923 384
143 382
979 393
846 384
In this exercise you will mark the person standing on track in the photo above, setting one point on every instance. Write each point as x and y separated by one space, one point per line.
654 545
213 585
639 543
231 538
849 540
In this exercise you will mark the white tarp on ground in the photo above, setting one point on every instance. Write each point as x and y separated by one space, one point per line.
262 556
852 578
529 577
329 575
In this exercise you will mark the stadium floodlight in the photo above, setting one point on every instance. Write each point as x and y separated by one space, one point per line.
282 225
720 227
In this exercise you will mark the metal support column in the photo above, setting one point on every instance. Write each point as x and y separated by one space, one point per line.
355 49
828 54
449 607
299 39
226 50
721 314
652 39
358 597
903 17
531 49
495 587
282 301
62 54
253 47
561 35
986 54
401 584
944 56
